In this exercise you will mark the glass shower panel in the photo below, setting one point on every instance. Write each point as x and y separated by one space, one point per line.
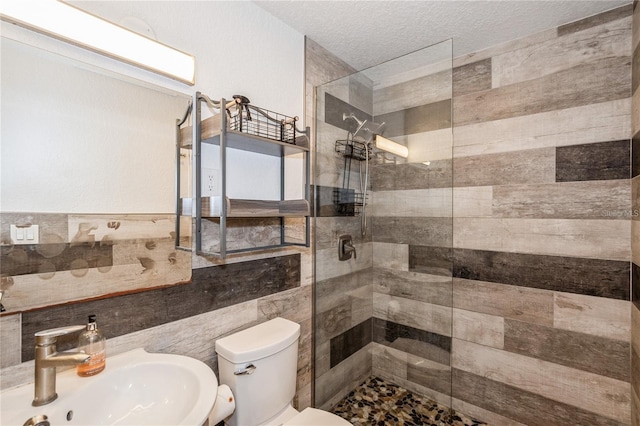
383 176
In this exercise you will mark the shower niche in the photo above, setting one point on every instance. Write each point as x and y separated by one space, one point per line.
250 178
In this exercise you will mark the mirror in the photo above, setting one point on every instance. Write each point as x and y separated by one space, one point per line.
87 189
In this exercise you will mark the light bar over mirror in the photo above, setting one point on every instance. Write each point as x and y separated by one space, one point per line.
65 22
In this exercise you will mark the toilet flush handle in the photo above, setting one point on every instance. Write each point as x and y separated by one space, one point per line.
248 369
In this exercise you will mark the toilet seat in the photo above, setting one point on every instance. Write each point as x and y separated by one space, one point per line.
314 417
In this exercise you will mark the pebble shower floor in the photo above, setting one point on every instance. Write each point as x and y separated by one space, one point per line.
377 402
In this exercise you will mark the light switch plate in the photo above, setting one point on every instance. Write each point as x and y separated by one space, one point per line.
29 234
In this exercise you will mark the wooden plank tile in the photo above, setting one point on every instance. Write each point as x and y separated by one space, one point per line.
388 361
332 292
361 92
590 392
520 167
332 386
472 77
351 341
597 355
481 414
521 303
473 201
428 231
435 202
322 66
568 200
517 406
588 123
334 110
328 266
635 69
435 289
10 335
415 92
635 39
429 374
595 161
428 146
387 177
635 112
595 20
391 256
328 229
635 325
431 260
411 313
603 40
598 238
593 82
635 371
635 284
418 119
597 316
479 328
635 155
593 277
432 346
211 288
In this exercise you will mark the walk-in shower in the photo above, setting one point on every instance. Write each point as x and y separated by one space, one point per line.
383 175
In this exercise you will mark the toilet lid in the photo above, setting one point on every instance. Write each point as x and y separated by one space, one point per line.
315 417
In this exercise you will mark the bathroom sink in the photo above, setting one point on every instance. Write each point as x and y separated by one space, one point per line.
136 388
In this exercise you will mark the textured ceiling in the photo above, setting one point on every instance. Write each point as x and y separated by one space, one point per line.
366 33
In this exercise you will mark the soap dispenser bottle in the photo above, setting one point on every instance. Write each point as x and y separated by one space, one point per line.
93 343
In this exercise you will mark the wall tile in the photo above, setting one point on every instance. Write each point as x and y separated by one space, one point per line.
473 201
10 332
435 202
480 413
418 119
600 238
590 392
635 155
594 277
429 374
212 288
423 90
431 260
569 200
518 405
351 341
472 77
509 301
435 289
606 39
520 167
479 328
598 355
429 231
598 316
391 256
588 123
588 83
334 110
595 161
418 342
595 20
411 313
393 177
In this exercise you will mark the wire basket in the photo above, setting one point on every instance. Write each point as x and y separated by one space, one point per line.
264 123
348 202
353 149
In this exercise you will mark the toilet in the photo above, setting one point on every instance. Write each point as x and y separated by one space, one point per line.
259 364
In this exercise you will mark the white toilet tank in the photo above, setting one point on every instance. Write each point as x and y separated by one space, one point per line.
265 391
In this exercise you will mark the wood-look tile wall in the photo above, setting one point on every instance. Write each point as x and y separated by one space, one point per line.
536 326
635 215
542 224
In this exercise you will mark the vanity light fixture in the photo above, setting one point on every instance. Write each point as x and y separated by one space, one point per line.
392 147
70 24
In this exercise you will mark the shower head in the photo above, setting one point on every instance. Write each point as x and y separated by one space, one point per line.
369 130
366 129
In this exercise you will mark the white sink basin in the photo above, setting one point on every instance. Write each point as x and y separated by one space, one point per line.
136 388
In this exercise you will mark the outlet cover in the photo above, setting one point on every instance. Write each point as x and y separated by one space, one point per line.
27 234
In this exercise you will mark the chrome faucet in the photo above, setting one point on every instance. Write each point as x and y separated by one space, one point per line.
47 359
